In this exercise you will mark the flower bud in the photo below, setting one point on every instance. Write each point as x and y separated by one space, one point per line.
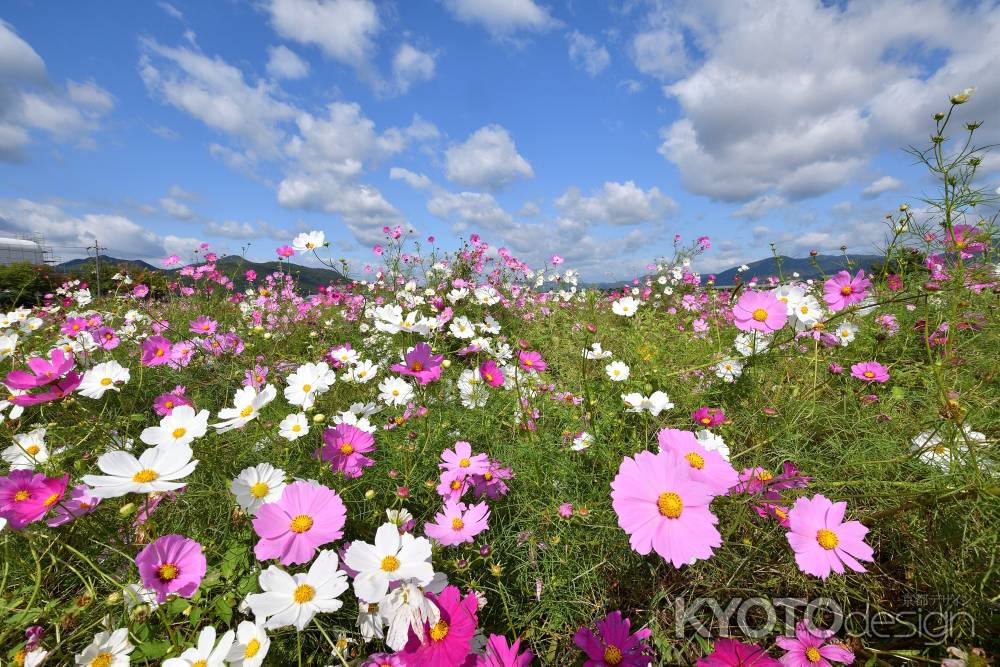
962 97
127 509
369 494
319 418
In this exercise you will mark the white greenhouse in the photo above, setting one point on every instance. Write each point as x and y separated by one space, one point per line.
20 250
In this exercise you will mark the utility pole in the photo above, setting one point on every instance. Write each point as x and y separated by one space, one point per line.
97 265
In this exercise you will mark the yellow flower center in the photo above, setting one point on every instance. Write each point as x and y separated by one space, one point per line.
846 289
439 631
53 499
373 607
489 376
307 388
253 646
304 593
670 505
390 564
346 449
395 392
32 449
21 495
167 572
246 412
106 381
417 366
200 663
760 315
706 420
827 538
529 362
456 484
179 432
764 476
612 655
296 428
464 463
487 475
259 490
812 653
868 374
145 476
160 352
102 659
457 524
695 459
301 523
168 404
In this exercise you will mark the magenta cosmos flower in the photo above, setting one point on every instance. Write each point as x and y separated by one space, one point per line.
708 417
306 517
421 364
43 371
457 523
662 507
731 653
59 389
491 373
155 351
25 496
531 361
870 371
448 642
759 311
822 542
172 564
499 653
809 648
78 503
614 645
842 290
707 466
344 448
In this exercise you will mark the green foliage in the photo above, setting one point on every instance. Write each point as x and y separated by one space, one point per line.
24 283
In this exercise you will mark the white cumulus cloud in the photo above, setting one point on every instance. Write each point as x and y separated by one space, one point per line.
487 159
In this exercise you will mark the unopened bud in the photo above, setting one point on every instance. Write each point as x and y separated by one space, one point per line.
319 418
962 97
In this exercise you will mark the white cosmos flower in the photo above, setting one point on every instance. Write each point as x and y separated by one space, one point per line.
393 557
395 391
398 517
713 442
729 370
307 382
655 403
207 653
582 441
108 648
137 594
490 326
251 646
625 306
35 658
103 377
308 241
255 486
461 327
346 356
617 371
295 599
8 344
156 469
294 426
407 607
355 419
27 451
248 403
806 313
596 352
362 372
846 332
370 621
752 342
181 427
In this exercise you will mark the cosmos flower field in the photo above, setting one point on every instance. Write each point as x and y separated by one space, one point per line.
456 459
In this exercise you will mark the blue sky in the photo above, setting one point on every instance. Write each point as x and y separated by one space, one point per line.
593 130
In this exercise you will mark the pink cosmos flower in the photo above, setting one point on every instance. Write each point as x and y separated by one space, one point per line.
171 260
458 523
382 659
285 251
870 371
106 338
759 311
344 448
708 417
43 371
73 326
556 260
662 507
421 364
499 653
809 648
822 542
530 360
731 653
164 404
155 351
566 510
306 517
78 503
491 373
25 496
140 290
614 645
63 387
448 642
842 290
707 466
462 462
452 486
172 564
202 325
492 483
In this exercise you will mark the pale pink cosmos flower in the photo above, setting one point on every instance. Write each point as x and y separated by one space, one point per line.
870 371
707 466
461 462
822 541
759 311
457 523
306 517
842 290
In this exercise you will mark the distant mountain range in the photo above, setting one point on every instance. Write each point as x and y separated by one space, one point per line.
309 278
